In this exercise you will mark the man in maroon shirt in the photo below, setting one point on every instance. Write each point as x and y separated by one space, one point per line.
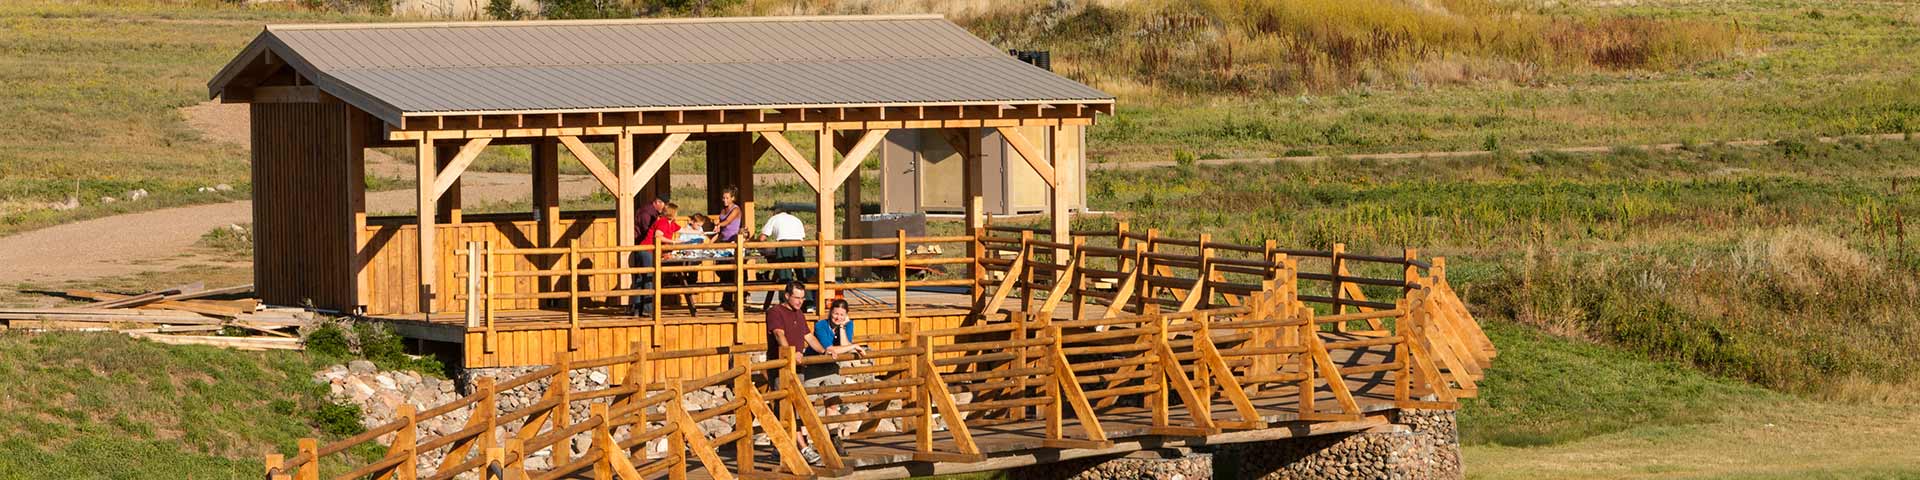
789 333
644 217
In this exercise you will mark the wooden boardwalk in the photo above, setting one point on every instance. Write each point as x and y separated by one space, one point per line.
1065 351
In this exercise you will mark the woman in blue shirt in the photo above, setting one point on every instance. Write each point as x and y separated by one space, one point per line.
836 332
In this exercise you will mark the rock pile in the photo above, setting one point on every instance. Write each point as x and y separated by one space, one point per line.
1420 444
379 394
1169 464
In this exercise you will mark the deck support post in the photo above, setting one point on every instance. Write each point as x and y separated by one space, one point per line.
427 160
1061 203
623 205
545 159
823 163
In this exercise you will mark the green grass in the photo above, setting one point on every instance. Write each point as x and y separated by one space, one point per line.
101 405
96 86
1787 265
1546 390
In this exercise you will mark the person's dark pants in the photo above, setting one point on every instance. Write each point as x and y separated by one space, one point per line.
782 276
643 304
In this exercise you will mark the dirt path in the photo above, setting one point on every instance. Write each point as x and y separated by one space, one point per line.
163 239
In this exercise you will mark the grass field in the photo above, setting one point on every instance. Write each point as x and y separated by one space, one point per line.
1708 312
96 85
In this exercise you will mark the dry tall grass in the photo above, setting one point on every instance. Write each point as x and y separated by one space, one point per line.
1289 45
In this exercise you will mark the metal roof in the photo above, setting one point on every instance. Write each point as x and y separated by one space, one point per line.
406 69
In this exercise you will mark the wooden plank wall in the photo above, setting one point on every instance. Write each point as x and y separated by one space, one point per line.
393 272
303 174
539 347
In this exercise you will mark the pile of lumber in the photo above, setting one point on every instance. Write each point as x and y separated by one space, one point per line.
184 315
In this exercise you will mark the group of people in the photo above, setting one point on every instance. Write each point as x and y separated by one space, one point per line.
656 225
787 326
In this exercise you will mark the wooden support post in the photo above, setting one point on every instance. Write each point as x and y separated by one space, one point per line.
972 178
545 157
625 227
1066 180
427 159
824 165
448 206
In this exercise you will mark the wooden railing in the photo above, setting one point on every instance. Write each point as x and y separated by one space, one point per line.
1179 332
584 285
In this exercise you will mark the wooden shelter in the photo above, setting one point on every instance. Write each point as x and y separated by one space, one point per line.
321 95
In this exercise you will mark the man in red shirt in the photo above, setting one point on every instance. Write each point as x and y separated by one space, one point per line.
789 333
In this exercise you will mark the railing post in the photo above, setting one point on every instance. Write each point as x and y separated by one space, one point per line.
494 456
515 460
563 380
743 419
473 284
1053 391
659 280
740 289
1402 381
636 376
309 448
1120 240
1026 274
820 271
273 464
1078 262
573 284
978 250
1306 362
1157 401
603 440
1412 275
900 274
1142 286
487 250
1339 284
1202 375
488 409
403 441
923 394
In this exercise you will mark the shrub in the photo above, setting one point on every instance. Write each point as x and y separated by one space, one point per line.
337 419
